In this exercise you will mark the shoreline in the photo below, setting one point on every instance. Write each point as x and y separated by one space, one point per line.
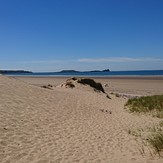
155 77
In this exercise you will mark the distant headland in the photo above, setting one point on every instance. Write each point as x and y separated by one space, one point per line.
74 71
14 72
23 72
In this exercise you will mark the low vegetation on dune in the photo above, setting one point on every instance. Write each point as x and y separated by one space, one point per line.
153 104
92 83
151 136
156 141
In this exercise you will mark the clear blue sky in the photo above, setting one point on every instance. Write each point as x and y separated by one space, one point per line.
51 35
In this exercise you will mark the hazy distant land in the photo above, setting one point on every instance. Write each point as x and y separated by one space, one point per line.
63 71
14 71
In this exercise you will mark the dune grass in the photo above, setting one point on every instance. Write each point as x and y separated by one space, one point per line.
146 104
152 136
154 105
92 83
156 141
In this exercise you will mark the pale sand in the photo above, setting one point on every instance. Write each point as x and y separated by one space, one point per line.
126 85
65 125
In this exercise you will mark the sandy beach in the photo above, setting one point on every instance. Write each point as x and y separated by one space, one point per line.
65 125
139 85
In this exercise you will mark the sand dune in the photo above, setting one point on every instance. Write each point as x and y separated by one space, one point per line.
63 125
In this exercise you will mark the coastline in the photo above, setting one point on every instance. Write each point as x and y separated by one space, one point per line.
65 73
157 77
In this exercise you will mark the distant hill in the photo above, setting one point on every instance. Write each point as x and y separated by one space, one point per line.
95 71
68 71
106 70
14 72
74 71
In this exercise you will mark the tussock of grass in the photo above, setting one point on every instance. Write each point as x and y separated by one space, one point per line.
156 141
147 104
92 83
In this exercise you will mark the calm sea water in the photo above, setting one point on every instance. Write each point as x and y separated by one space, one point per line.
112 73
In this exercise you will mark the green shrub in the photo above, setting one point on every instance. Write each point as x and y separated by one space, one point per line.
92 83
147 104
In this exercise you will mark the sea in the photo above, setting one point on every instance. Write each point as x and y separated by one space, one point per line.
94 74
